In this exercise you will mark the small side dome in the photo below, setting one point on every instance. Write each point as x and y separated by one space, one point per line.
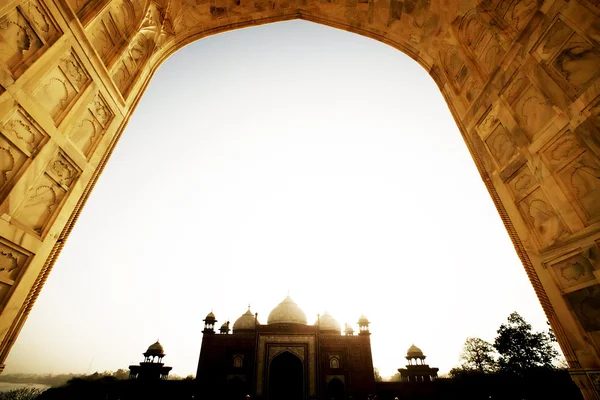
363 319
225 325
328 323
210 316
287 312
414 351
155 349
245 322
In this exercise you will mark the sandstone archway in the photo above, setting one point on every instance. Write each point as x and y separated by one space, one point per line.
521 78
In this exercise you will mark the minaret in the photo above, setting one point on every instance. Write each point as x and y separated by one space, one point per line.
363 325
348 330
209 323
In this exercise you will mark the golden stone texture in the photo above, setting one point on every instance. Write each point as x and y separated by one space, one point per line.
521 77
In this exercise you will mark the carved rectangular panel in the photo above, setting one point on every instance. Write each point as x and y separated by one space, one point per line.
105 38
12 261
22 130
533 110
586 305
91 126
45 198
581 178
20 139
522 183
12 159
541 217
576 270
25 33
62 86
500 145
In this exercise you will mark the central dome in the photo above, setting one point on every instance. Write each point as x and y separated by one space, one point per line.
287 312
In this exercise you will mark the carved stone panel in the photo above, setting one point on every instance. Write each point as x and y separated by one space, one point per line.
11 161
586 305
541 217
581 178
500 145
522 183
45 198
21 128
12 261
25 33
576 269
62 86
533 110
92 125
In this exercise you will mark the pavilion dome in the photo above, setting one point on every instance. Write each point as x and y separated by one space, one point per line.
155 349
363 319
210 316
287 312
414 351
246 321
328 323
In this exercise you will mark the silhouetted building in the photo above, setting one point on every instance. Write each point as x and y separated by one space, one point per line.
417 370
152 368
286 359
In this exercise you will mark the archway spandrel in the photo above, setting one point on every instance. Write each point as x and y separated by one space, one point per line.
520 77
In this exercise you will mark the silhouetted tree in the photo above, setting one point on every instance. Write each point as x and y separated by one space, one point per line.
24 393
378 377
478 355
520 349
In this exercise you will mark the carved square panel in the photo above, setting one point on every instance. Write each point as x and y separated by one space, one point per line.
516 86
11 161
586 305
501 145
576 270
554 39
25 33
45 198
24 132
86 133
582 180
522 183
562 150
40 19
101 110
488 123
533 110
72 68
541 216
578 62
18 41
57 94
12 261
41 205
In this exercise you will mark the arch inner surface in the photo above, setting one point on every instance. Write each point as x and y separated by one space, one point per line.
521 78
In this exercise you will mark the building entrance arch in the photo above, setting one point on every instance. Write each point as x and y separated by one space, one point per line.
286 378
521 79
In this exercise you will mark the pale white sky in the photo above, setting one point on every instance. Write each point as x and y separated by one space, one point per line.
290 156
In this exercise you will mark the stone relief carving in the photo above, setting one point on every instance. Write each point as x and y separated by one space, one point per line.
586 304
24 132
533 110
12 261
541 217
274 351
501 145
577 269
582 180
92 125
11 162
45 198
25 32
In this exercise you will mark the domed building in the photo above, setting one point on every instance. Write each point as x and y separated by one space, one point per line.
152 368
286 358
417 370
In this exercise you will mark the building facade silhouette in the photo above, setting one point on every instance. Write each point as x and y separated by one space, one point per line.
285 359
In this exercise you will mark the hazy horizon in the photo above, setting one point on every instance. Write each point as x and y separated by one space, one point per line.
289 156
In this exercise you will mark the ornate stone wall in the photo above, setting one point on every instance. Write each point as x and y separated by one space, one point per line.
521 78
